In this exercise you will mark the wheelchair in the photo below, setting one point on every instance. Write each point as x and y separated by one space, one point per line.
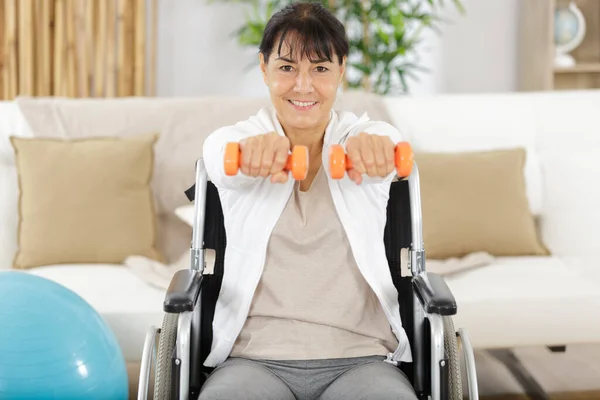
173 355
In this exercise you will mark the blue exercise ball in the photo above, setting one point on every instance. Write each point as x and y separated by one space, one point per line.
54 345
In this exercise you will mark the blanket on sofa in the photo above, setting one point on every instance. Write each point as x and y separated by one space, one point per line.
158 274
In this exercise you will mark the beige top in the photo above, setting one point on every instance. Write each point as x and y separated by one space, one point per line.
312 301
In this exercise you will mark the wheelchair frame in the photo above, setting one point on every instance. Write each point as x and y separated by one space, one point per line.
427 306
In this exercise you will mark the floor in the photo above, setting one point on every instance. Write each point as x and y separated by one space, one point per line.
574 375
595 395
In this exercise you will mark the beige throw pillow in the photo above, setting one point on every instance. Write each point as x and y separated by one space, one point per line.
85 200
476 202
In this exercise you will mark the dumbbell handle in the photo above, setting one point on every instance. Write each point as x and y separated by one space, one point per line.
297 161
340 162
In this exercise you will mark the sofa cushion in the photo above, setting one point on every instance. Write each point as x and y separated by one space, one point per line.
11 124
127 304
9 195
527 301
183 124
476 202
571 222
85 201
459 122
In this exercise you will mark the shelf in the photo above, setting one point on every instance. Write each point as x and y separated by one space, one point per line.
579 68
537 51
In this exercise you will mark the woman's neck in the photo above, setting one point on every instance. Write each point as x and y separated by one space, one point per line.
313 140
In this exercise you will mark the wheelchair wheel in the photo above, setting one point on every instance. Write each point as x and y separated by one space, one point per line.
451 347
166 344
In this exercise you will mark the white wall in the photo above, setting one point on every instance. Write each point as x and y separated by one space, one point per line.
479 50
196 55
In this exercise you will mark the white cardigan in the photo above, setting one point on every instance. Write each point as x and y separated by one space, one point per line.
252 206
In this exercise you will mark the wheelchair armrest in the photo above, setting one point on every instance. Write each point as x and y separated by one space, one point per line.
183 291
434 294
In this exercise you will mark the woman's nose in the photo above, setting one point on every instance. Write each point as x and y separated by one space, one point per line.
303 83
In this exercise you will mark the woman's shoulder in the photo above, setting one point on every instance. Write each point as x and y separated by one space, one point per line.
255 124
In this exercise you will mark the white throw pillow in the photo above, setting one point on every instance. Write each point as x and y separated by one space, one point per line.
9 220
12 123
570 223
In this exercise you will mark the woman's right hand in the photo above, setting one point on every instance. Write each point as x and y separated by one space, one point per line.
265 155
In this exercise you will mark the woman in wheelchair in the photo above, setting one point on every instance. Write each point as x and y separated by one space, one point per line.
307 308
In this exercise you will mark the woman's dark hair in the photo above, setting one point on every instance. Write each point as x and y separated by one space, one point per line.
307 27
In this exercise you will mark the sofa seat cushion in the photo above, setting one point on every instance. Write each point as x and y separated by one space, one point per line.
586 266
523 301
128 305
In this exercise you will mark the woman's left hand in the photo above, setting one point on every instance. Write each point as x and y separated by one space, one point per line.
370 154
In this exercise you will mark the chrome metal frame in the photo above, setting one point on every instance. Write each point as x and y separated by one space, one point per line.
418 249
469 363
197 246
148 357
183 351
418 345
197 254
437 354
417 266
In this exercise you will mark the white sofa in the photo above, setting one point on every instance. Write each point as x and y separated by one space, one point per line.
515 301
527 300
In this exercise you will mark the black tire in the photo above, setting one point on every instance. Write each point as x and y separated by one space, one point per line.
451 348
166 343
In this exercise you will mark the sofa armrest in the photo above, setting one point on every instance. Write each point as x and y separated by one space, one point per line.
434 294
183 291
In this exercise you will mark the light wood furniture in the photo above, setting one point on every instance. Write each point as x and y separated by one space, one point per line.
77 48
536 48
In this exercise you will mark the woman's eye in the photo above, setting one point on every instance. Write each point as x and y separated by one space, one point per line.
286 68
321 69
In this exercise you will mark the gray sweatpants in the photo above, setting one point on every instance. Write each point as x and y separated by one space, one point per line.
333 379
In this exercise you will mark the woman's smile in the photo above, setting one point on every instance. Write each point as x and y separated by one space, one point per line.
303 105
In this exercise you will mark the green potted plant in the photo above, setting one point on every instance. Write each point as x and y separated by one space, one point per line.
383 36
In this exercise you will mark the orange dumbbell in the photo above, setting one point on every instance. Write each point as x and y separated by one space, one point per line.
339 162
297 161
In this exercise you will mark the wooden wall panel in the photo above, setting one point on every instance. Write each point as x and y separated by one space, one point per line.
2 57
10 62
77 48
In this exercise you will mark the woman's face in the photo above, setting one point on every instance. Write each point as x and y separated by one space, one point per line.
302 92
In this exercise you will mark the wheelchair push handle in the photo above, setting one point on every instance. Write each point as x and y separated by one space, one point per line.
297 162
339 162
